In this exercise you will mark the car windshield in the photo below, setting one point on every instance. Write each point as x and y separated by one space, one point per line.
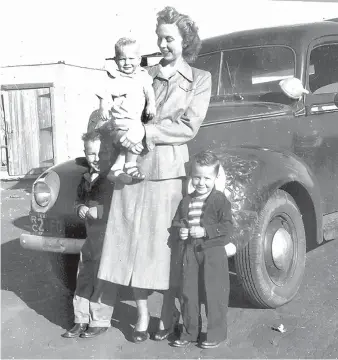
249 72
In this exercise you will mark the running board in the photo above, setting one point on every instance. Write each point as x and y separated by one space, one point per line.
330 226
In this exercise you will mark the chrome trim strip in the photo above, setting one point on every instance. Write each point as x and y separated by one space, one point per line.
253 117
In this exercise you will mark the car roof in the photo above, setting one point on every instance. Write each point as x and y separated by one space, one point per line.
289 35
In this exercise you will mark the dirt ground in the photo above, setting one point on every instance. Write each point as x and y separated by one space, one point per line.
36 308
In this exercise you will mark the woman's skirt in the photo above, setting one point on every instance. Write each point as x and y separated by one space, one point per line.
138 244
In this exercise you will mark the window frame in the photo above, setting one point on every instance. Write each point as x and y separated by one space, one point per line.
257 47
317 44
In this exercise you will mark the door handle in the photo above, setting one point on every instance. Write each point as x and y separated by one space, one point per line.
314 109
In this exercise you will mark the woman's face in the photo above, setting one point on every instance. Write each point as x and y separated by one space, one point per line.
169 41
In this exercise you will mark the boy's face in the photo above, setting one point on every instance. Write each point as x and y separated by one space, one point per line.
94 155
203 178
128 58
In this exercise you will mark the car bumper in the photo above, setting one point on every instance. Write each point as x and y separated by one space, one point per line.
51 244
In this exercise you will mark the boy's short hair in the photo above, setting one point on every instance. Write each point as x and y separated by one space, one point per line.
207 158
91 136
124 42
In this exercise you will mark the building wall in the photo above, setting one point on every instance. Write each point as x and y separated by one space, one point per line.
43 74
81 101
73 99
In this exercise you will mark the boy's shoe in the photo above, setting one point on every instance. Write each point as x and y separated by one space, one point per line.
181 343
119 175
76 330
93 332
210 344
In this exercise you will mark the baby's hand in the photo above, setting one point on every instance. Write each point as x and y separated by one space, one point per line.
230 249
83 211
150 111
197 232
184 233
92 213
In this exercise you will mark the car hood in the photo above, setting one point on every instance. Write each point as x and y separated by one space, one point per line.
224 110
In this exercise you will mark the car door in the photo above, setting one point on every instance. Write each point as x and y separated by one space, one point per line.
321 146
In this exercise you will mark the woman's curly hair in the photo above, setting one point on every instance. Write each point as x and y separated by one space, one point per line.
187 28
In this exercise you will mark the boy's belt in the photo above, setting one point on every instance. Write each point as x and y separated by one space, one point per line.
193 241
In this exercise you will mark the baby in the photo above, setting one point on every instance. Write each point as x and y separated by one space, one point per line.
126 94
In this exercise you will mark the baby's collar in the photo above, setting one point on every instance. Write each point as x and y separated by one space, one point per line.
114 73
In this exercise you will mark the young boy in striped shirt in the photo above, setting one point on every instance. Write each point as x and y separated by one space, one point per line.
205 225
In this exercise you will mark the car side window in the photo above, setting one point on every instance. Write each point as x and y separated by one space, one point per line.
210 62
323 69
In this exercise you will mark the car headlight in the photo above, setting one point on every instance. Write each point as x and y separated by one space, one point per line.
42 194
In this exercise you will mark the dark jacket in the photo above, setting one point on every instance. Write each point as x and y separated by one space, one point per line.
216 219
96 194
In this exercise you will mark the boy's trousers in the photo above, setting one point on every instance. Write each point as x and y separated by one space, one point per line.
205 275
94 299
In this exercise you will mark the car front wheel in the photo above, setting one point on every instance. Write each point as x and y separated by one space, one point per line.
271 266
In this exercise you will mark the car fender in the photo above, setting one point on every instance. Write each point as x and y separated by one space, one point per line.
69 175
253 174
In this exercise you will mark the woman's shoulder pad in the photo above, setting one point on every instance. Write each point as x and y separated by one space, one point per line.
200 72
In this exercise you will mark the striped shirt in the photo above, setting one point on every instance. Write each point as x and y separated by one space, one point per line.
196 209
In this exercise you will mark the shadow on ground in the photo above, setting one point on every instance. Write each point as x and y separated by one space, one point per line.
28 274
23 223
21 184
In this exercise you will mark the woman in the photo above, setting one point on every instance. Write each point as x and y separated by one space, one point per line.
137 250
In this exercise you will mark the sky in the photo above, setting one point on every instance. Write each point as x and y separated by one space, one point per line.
84 32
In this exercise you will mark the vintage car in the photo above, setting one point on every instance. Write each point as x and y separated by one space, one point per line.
279 154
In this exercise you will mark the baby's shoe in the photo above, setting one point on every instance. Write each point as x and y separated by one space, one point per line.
119 175
132 170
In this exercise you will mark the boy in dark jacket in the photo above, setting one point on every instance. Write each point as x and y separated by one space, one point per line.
92 204
205 224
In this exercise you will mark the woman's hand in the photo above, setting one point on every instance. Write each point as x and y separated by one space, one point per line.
137 149
132 137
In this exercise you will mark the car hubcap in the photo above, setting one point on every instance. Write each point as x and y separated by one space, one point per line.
280 250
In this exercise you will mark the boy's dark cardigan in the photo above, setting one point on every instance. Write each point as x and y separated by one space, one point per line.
96 195
216 218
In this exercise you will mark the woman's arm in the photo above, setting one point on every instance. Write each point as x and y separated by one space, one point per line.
181 131
187 126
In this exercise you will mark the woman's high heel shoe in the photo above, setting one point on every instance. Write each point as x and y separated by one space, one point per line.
140 336
164 334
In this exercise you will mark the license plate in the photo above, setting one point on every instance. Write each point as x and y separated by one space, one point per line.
42 224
